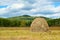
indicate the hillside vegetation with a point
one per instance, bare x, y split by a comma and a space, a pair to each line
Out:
25, 21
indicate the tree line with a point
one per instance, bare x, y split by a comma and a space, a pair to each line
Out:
25, 23
14, 23
54, 22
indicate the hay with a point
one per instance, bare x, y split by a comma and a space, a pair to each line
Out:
39, 24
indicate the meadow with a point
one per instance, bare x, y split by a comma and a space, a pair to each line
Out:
23, 33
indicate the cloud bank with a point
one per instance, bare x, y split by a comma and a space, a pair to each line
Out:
47, 8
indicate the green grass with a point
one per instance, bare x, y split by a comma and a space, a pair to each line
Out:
7, 34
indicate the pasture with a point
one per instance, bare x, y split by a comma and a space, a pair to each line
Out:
16, 33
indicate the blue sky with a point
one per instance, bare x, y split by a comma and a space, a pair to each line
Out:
56, 4
47, 8
3, 6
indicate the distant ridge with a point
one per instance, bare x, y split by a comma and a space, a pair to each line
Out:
26, 17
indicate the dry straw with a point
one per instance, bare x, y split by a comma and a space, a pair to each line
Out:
39, 24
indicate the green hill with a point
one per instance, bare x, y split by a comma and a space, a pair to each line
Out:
26, 17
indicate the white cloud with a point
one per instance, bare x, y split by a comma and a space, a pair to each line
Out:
56, 15
9, 2
17, 6
57, 9
3, 11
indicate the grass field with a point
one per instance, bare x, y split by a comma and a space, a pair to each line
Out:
25, 34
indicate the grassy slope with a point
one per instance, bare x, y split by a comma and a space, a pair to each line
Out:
26, 18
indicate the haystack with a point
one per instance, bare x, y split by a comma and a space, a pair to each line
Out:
39, 24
